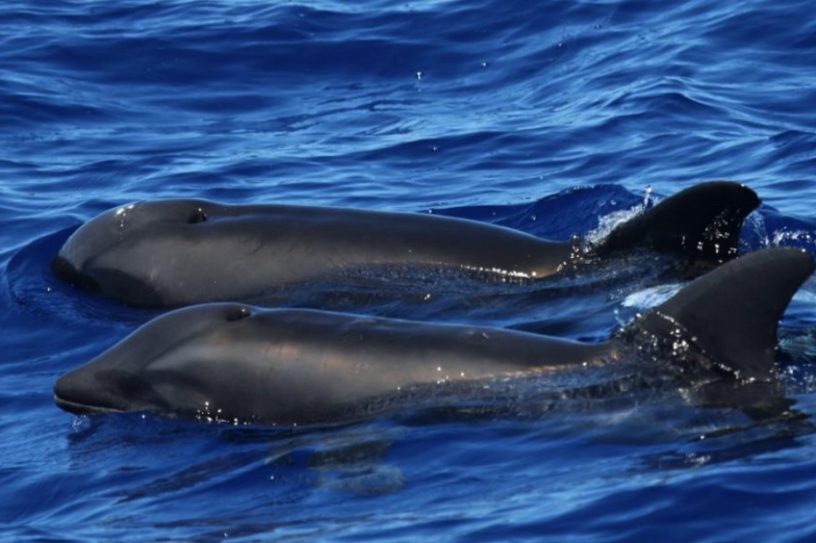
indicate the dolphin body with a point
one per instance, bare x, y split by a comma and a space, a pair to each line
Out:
179, 252
239, 362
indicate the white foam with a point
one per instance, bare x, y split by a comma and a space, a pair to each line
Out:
651, 297
609, 222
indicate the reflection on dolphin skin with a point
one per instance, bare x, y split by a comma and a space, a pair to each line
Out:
181, 252
235, 362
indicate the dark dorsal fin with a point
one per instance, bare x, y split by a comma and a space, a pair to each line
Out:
731, 313
702, 221
719, 332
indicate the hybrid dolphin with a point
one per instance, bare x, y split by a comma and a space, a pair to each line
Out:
307, 366
179, 252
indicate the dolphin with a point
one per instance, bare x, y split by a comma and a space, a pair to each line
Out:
237, 362
179, 252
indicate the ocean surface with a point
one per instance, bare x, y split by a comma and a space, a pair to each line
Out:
556, 118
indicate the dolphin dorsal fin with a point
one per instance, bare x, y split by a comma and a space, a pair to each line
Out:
702, 221
731, 314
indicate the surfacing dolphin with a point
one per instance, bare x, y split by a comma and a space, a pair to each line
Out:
240, 363
180, 252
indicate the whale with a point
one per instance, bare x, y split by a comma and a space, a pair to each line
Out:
172, 253
229, 361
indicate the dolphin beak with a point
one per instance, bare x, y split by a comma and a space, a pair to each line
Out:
64, 269
79, 392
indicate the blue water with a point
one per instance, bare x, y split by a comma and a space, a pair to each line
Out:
547, 117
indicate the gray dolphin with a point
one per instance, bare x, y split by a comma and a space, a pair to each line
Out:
239, 362
180, 252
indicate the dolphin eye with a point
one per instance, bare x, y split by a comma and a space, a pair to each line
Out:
237, 313
197, 216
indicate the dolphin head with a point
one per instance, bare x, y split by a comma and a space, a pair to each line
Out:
173, 365
110, 253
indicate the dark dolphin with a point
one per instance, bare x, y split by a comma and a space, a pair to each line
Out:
180, 252
238, 362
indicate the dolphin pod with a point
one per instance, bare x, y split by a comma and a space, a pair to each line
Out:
179, 252
307, 366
